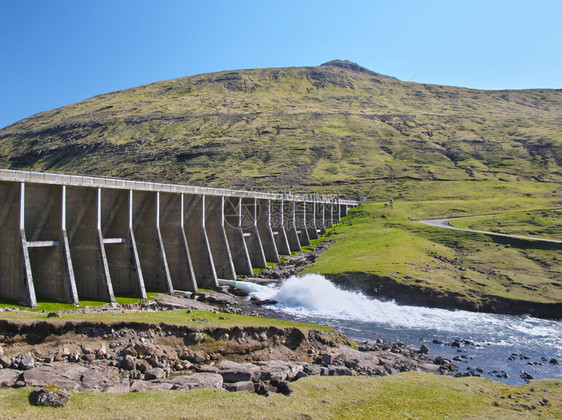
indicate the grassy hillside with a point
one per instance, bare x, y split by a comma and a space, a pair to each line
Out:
329, 127
385, 250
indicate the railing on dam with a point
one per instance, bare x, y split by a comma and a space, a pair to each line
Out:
103, 182
69, 237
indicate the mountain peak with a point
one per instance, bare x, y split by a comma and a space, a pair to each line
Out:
350, 65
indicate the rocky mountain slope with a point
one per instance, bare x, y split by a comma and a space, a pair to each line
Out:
302, 128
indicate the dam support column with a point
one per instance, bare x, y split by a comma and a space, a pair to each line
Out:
196, 235
218, 241
301, 222
248, 222
235, 235
44, 239
264, 229
320, 217
85, 241
119, 243
290, 226
311, 223
278, 227
16, 280
175, 244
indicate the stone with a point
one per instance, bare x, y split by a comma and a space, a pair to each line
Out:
5, 361
155, 373
9, 377
141, 386
424, 349
100, 379
142, 365
1, 351
143, 349
326, 358
237, 372
64, 375
52, 396
239, 386
101, 352
128, 362
27, 362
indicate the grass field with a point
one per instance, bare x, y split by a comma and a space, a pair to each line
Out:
389, 241
541, 224
404, 395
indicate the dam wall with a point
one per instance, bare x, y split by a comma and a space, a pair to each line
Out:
67, 237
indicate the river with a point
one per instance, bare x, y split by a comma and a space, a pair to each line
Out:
489, 344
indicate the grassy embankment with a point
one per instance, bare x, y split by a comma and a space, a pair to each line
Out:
539, 224
405, 395
194, 318
378, 241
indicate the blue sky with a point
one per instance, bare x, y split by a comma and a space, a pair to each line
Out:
57, 52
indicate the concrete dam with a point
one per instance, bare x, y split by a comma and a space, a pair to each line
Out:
68, 237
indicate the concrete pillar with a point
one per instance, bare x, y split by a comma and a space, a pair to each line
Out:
301, 222
290, 226
16, 280
264, 227
150, 245
235, 235
85, 241
248, 222
196, 235
174, 239
218, 241
321, 217
120, 246
278, 227
311, 221
44, 252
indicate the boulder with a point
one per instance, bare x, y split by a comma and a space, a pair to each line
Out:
238, 372
239, 386
64, 375
1, 351
100, 379
155, 373
128, 362
5, 361
9, 377
26, 362
51, 395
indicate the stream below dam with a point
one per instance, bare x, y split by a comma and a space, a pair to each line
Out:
501, 347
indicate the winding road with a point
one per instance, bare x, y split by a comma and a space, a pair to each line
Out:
444, 223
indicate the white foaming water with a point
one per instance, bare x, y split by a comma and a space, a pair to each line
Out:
314, 296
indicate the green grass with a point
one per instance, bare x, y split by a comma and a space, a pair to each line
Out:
193, 318
53, 305
389, 242
543, 224
405, 395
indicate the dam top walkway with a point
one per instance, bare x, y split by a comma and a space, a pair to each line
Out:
114, 183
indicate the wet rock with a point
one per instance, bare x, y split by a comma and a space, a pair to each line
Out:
526, 376
553, 361
261, 302
424, 349
52, 396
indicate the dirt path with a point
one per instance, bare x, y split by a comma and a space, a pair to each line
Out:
444, 223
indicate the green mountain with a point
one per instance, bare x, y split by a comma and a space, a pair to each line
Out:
305, 128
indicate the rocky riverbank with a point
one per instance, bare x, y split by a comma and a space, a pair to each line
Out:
134, 356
